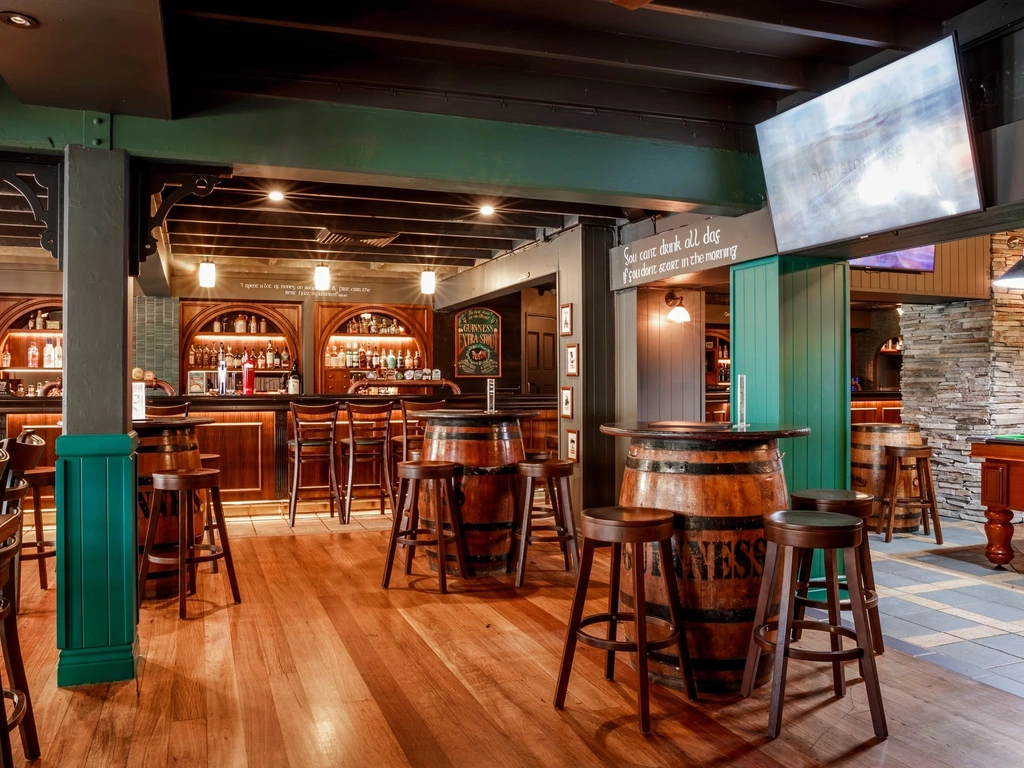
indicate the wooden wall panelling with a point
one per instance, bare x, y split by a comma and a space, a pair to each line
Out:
626, 371
245, 442
962, 271
670, 358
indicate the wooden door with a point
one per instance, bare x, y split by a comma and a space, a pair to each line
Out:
541, 355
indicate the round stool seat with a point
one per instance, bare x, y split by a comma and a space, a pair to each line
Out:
853, 503
185, 479
40, 477
533, 456
811, 529
547, 468
627, 524
428, 470
909, 451
209, 460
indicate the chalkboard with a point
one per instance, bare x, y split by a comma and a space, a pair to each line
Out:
478, 343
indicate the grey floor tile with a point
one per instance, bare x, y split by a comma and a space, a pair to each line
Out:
978, 655
954, 598
997, 611
1010, 671
1012, 644
938, 621
953, 564
994, 594
909, 571
901, 628
893, 580
901, 546
961, 537
954, 664
1015, 582
895, 644
895, 606
1007, 684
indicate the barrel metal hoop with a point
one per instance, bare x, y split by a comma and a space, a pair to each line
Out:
167, 448
714, 446
699, 615
884, 428
718, 523
510, 469
702, 664
702, 468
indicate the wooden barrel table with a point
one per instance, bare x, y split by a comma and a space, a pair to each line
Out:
166, 442
720, 481
867, 469
488, 445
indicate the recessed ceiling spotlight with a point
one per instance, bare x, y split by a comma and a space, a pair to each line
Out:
19, 20
486, 210
276, 195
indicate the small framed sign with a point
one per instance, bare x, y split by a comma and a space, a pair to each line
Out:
565, 403
5, 388
572, 360
478, 343
565, 320
572, 444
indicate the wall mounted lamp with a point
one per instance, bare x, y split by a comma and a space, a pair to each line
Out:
677, 313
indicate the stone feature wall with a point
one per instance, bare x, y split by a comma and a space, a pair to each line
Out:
963, 380
155, 337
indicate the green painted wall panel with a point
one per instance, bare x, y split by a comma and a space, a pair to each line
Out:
754, 331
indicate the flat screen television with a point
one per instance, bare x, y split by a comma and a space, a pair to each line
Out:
920, 259
887, 151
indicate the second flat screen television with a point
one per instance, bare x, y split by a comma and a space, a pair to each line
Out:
886, 151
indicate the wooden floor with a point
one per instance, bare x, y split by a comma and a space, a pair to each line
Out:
320, 667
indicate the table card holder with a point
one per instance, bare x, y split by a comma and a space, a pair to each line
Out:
491, 389
138, 400
741, 400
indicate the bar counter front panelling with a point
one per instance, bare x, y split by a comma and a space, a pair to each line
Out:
250, 435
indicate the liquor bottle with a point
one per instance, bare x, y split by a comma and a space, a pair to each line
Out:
217, 327
417, 363
277, 357
5, 358
400, 361
352, 359
285, 357
253, 326
229, 359
328, 358
238, 360
391, 359
33, 355
240, 324
206, 357
48, 353
248, 373
58, 354
335, 358
294, 380
261, 361
363, 363
222, 371
373, 325
263, 325
191, 355
375, 363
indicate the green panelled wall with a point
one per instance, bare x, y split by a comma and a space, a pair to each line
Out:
97, 550
790, 333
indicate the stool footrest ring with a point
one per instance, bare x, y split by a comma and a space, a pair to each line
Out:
870, 597
624, 645
803, 654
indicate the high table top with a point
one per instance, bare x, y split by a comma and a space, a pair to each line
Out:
167, 422
702, 430
478, 415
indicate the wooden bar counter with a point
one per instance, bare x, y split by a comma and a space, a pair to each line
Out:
720, 480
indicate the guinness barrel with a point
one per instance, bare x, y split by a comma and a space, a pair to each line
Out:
720, 490
867, 469
488, 446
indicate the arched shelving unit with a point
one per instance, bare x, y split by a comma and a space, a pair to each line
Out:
16, 339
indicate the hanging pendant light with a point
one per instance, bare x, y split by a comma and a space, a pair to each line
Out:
322, 277
678, 313
207, 274
428, 282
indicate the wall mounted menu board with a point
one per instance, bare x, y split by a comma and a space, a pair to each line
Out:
478, 343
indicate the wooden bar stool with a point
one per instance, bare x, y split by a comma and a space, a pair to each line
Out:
529, 529
21, 716
636, 526
413, 426
789, 534
209, 461
368, 441
315, 430
39, 550
924, 500
534, 456
855, 504
185, 555
405, 527
24, 453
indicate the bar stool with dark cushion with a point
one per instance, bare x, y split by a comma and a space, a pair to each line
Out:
413, 427
538, 455
531, 527
40, 550
855, 504
635, 526
186, 554
22, 716
25, 453
789, 535
924, 500
434, 480
369, 433
315, 430
165, 411
209, 461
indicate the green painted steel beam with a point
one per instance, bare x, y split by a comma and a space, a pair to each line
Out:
409, 148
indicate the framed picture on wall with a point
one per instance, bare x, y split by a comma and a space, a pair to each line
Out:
572, 444
572, 360
565, 320
565, 403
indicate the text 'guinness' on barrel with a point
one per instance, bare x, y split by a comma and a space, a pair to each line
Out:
867, 469
720, 491
488, 450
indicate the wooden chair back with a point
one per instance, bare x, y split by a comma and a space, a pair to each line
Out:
369, 425
23, 454
315, 423
413, 425
166, 410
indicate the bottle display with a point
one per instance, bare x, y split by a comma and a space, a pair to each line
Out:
5, 358
33, 355
295, 380
363, 356
48, 353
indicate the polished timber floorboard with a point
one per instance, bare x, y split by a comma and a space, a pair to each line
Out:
320, 667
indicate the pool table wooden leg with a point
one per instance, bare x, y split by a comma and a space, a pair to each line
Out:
999, 532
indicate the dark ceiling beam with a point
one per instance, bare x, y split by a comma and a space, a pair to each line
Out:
297, 236
809, 18
442, 261
22, 231
203, 221
497, 35
311, 246
239, 201
303, 190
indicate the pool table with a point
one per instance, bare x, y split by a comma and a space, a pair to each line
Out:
1002, 491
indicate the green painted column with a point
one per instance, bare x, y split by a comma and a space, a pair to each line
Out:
790, 331
96, 474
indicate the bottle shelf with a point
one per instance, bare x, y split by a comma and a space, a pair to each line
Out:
58, 371
258, 371
34, 332
376, 338
246, 335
